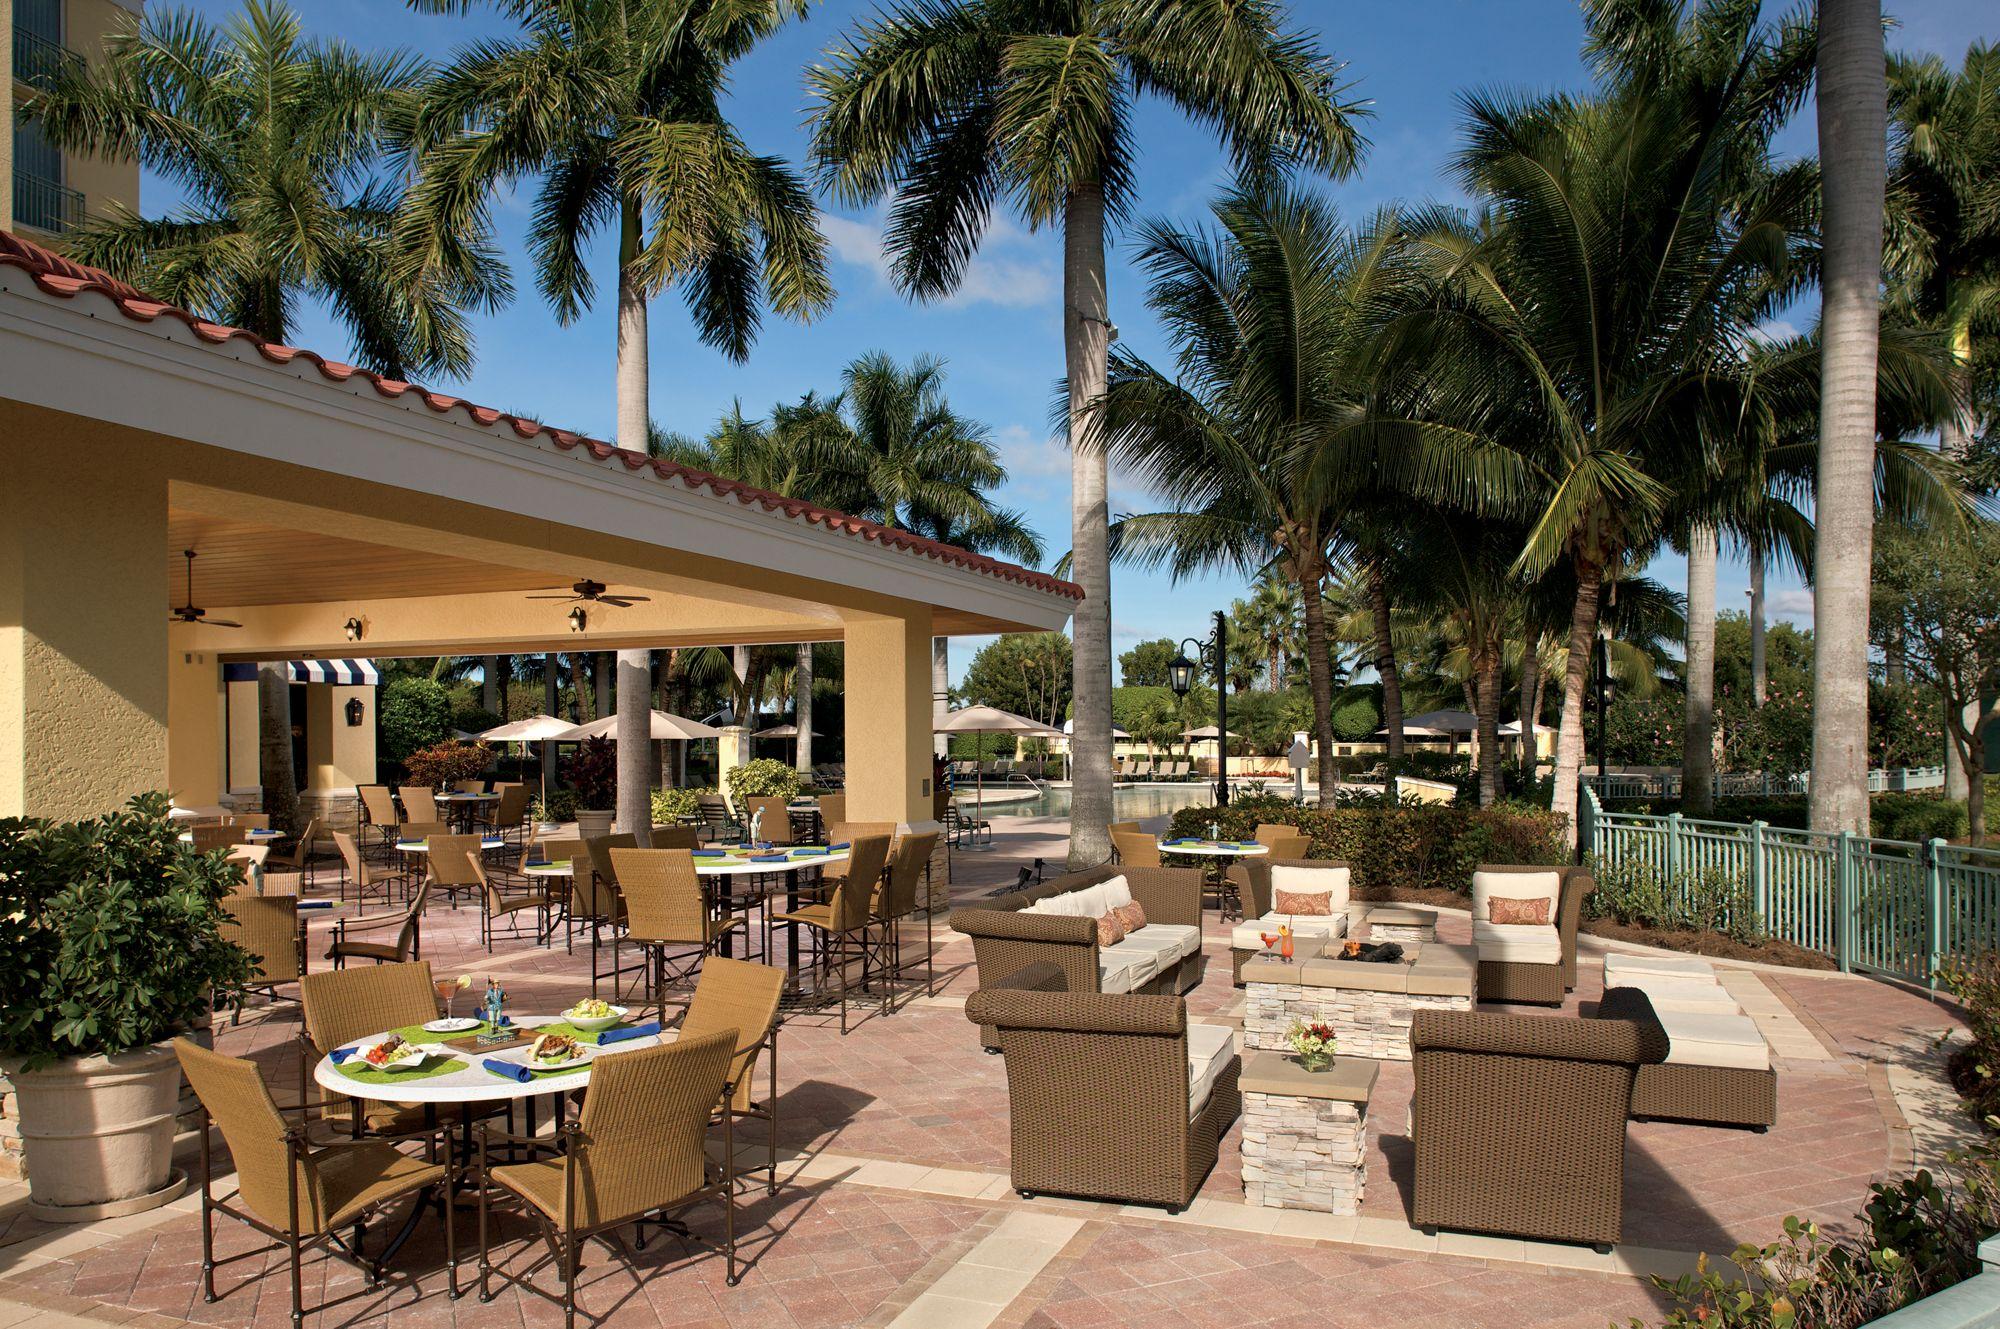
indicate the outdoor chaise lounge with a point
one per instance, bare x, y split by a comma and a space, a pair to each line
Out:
1111, 1096
1257, 881
1718, 1067
1530, 962
1519, 1120
1057, 923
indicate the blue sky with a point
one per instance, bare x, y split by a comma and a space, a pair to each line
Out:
1000, 334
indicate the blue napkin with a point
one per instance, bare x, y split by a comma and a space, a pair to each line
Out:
512, 1070
808, 852
1182, 840
646, 1030
339, 1055
709, 853
768, 858
833, 848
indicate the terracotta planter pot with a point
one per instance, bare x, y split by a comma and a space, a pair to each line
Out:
590, 825
99, 1133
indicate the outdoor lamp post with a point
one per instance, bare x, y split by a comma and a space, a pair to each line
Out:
1180, 677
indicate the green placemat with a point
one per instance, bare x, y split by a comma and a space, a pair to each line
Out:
354, 1068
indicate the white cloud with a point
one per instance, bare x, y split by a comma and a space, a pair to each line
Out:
1012, 268
1776, 330
1795, 603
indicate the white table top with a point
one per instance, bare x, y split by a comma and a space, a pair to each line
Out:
562, 869
424, 846
1214, 850
254, 835
714, 867
472, 1083
466, 798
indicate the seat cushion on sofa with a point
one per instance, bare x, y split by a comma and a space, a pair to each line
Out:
1516, 886
1697, 1038
1516, 943
1679, 994
1619, 965
1331, 881
1171, 942
1125, 971
1210, 1046
1248, 936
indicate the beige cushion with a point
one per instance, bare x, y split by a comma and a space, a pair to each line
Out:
1514, 943
1619, 966
1698, 1038
1516, 886
1169, 941
1329, 880
1125, 971
1680, 994
1210, 1047
1116, 890
1090, 902
1247, 938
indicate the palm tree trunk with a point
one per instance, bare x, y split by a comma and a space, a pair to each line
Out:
1531, 696
274, 745
635, 668
940, 692
1576, 682
1276, 667
802, 710
1311, 577
489, 684
1698, 748
579, 691
1760, 682
1486, 709
600, 684
506, 684
1086, 347
1385, 660
550, 664
1853, 136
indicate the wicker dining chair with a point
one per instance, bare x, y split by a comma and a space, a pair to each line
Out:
379, 812
303, 1194
716, 819
419, 803
367, 877
341, 1005
896, 900
637, 1153
300, 857
666, 915
208, 839
452, 875
1283, 841
675, 837
840, 926
508, 816
393, 936
776, 814
267, 926
468, 786
1136, 849
741, 996
250, 821
495, 903
832, 812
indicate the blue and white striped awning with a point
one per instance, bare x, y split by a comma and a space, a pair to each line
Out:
352, 673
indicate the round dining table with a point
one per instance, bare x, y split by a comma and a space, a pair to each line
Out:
1215, 848
255, 835
469, 1081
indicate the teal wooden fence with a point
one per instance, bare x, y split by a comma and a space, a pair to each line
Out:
1889, 907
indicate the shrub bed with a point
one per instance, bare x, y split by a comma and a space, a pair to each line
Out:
1407, 848
1975, 1068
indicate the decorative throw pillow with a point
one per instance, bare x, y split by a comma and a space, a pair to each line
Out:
1304, 903
1502, 909
1132, 914
1110, 930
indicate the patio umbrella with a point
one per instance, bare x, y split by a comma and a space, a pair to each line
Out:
990, 720
664, 726
1069, 729
534, 729
1207, 731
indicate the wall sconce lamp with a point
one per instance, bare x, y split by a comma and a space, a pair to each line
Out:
353, 629
356, 712
577, 619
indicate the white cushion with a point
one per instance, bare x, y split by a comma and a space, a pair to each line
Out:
1295, 880
1210, 1046
1697, 1038
1126, 971
1516, 943
1090, 902
1248, 936
1516, 886
1169, 941
1680, 994
1117, 891
1620, 966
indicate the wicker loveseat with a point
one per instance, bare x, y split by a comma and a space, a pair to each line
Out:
1528, 964
1111, 1096
1519, 1120
1013, 931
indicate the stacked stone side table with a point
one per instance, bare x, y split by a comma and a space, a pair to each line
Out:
1305, 1133
1402, 923
1370, 1006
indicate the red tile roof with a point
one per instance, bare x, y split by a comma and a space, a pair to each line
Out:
61, 277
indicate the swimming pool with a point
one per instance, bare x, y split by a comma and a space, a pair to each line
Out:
1134, 802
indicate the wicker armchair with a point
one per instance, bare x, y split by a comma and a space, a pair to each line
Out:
267, 926
366, 876
1251, 879
379, 814
1104, 1099
495, 904
302, 1194
840, 926
344, 1005
1519, 1120
1283, 841
393, 936
1538, 979
419, 803
667, 916
741, 997
637, 1152
1136, 849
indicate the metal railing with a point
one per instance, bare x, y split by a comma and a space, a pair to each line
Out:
44, 204
37, 60
1892, 907
1667, 784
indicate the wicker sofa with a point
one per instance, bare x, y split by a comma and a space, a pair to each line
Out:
1536, 966
1013, 931
1111, 1096
1253, 879
1519, 1120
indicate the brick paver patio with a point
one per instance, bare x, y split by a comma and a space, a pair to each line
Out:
896, 1207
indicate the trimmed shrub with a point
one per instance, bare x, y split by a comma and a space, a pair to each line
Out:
670, 805
415, 713
1918, 817
765, 777
1975, 1067
442, 763
1707, 901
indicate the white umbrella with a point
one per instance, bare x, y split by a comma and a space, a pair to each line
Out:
782, 731
534, 729
1208, 731
990, 720
664, 726
1069, 728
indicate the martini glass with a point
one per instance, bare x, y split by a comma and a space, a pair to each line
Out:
446, 988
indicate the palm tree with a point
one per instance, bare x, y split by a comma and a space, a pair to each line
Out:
1270, 618
950, 106
275, 143
618, 109
1271, 438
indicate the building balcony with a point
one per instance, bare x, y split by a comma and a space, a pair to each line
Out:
37, 60
44, 204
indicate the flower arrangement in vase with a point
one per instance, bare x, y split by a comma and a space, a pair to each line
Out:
1313, 1044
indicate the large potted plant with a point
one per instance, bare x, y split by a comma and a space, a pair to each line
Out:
110, 928
593, 773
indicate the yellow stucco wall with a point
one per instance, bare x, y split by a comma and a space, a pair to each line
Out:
339, 756
888, 680
195, 728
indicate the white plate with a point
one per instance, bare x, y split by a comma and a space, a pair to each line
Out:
458, 1024
520, 1056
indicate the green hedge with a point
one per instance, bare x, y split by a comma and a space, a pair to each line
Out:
1399, 848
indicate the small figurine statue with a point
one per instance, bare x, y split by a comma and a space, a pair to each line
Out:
757, 827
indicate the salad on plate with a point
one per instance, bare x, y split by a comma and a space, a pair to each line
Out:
394, 1053
591, 1014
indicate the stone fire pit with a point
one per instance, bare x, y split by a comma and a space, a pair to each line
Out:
1370, 1005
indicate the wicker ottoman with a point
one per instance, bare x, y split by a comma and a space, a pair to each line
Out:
1305, 1133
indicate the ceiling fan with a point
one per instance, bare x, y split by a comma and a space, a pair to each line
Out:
592, 592
187, 613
